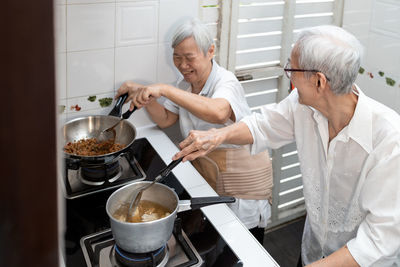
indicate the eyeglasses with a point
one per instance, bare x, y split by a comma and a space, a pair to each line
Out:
288, 70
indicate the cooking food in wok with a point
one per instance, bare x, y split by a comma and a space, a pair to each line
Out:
88, 128
91, 147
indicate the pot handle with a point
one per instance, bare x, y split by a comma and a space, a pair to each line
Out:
117, 110
198, 202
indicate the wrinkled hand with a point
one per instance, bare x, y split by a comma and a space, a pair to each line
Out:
130, 88
146, 94
198, 143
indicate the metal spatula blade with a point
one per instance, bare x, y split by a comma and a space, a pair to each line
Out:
136, 199
107, 136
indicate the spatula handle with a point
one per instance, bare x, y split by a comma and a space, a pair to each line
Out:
166, 171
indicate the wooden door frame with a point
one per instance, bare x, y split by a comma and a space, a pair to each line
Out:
28, 189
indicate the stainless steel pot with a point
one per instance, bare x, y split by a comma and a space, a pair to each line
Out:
148, 236
91, 126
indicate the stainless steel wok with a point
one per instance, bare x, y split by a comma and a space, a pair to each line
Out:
91, 126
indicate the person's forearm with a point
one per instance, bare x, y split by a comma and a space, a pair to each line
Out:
159, 114
200, 143
341, 257
238, 134
207, 109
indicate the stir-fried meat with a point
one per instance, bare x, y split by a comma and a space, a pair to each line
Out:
91, 147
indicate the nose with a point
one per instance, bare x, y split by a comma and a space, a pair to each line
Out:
182, 64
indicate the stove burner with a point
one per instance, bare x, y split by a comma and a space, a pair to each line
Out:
98, 174
155, 258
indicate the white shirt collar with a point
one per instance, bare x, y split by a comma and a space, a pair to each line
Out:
359, 128
360, 125
206, 88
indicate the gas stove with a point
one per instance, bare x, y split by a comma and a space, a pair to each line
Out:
89, 240
100, 250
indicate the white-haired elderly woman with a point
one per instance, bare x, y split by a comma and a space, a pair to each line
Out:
348, 146
208, 96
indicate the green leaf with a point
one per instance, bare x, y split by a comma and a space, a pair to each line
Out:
361, 70
61, 108
390, 81
381, 73
105, 102
92, 98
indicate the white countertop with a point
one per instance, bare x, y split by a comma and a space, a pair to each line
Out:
242, 242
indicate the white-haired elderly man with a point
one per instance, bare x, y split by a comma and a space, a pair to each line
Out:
348, 146
208, 96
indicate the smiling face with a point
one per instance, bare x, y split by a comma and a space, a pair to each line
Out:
191, 61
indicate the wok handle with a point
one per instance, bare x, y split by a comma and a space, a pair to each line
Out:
72, 164
117, 110
199, 202
128, 113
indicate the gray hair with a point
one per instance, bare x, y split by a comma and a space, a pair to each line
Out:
332, 51
196, 29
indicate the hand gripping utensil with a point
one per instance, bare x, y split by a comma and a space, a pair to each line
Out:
138, 193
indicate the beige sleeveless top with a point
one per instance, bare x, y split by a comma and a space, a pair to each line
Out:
235, 172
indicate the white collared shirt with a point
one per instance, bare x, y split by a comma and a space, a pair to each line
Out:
223, 84
351, 185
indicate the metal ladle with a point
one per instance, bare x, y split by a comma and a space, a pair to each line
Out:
139, 192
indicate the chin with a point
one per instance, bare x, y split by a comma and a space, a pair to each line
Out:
189, 79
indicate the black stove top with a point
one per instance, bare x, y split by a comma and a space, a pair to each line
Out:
86, 214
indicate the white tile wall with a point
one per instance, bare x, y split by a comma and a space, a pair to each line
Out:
61, 111
90, 72
384, 53
90, 26
376, 24
60, 28
61, 71
135, 63
173, 13
89, 1
137, 23
59, 2
386, 17
102, 43
87, 107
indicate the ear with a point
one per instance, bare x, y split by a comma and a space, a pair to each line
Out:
211, 51
321, 81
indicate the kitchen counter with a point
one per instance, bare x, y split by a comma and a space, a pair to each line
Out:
241, 241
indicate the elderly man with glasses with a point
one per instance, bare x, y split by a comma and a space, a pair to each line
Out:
348, 146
